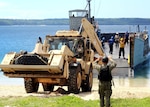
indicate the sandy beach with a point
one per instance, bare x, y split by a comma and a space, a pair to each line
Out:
119, 91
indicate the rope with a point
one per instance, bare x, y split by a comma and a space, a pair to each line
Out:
99, 5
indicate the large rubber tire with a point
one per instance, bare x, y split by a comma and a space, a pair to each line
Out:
74, 80
48, 87
87, 84
31, 85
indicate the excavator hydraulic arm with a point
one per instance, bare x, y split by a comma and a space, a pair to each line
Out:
91, 34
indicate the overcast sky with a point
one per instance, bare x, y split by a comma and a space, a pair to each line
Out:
44, 9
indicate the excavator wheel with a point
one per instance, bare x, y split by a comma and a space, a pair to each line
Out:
47, 87
31, 85
87, 84
74, 80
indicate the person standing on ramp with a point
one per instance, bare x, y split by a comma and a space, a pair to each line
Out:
104, 75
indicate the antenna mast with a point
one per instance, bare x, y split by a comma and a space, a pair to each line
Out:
89, 4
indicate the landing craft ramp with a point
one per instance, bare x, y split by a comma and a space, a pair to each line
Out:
123, 69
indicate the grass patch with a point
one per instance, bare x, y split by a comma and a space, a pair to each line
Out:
68, 101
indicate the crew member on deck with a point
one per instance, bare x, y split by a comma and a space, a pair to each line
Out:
121, 47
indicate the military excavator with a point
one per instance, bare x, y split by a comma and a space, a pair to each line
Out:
63, 59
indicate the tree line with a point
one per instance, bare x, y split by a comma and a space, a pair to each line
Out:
65, 21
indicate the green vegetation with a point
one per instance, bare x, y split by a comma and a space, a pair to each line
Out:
124, 21
65, 21
68, 101
34, 22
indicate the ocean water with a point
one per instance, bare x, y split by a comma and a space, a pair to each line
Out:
24, 37
16, 38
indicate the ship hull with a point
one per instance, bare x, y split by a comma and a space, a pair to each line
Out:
139, 50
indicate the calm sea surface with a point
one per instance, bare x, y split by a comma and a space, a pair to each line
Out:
16, 38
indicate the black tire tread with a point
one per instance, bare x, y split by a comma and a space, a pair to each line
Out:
31, 85
72, 88
48, 87
86, 84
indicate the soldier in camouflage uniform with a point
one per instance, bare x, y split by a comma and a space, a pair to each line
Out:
104, 85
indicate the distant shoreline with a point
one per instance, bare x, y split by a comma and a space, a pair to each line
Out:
65, 21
